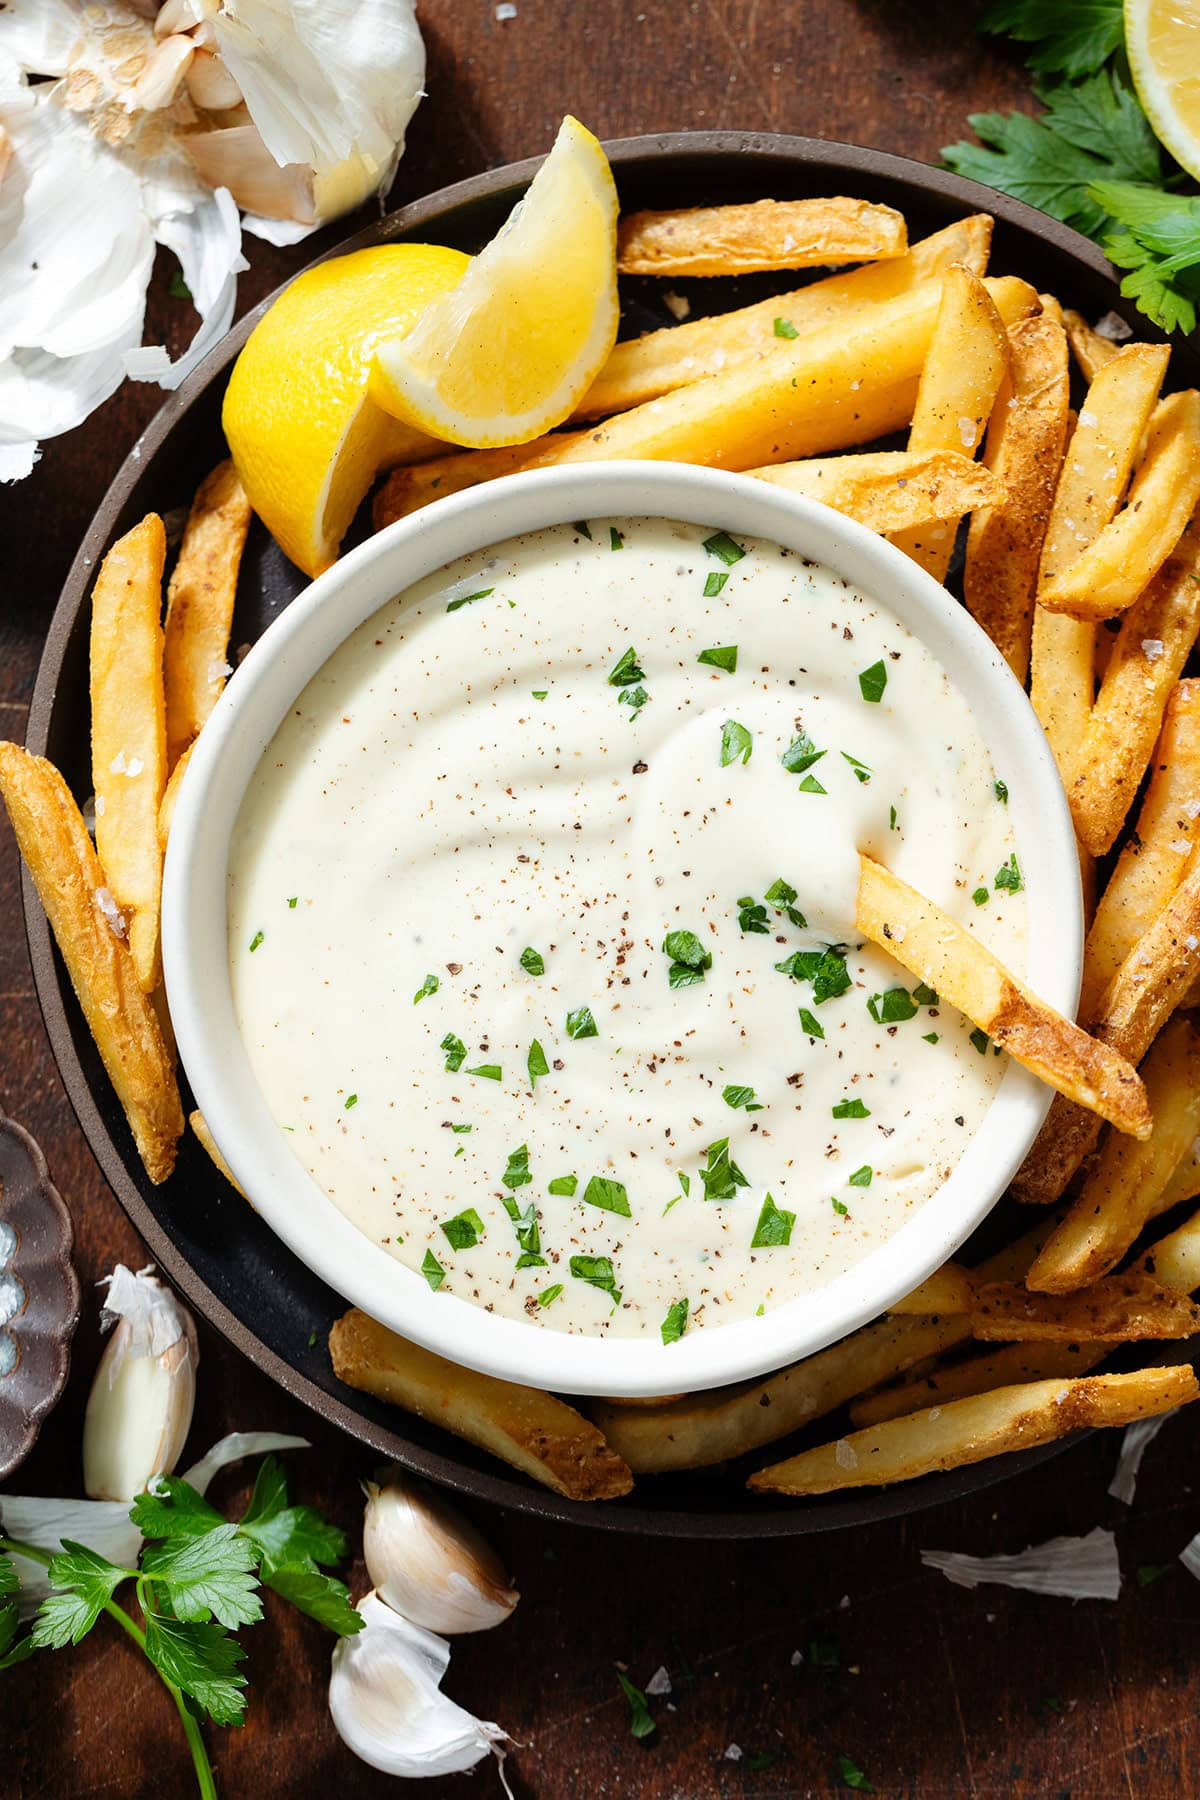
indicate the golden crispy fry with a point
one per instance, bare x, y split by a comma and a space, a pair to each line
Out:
532, 1431
950, 1289
129, 744
1184, 1183
199, 1125
765, 234
1051, 308
889, 490
1175, 1259
1155, 640
1119, 1193
1107, 577
1091, 351
54, 842
1063, 685
1026, 437
408, 489
1152, 981
1152, 863
166, 811
970, 1431
712, 1427
645, 367
200, 599
1121, 1309
978, 1375
931, 945
967, 360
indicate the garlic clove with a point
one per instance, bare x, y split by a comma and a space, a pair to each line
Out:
236, 158
161, 76
139, 1411
387, 1704
428, 1563
182, 15
210, 84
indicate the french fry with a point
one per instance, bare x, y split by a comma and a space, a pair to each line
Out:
1121, 1309
765, 234
931, 945
950, 1289
530, 1430
166, 812
1091, 351
129, 743
208, 1142
971, 1431
978, 1375
967, 360
1175, 1259
200, 598
1063, 684
1026, 437
712, 1427
408, 489
1051, 308
1152, 981
58, 852
1107, 577
1184, 1183
890, 490
1118, 1195
646, 367
1152, 646
1151, 865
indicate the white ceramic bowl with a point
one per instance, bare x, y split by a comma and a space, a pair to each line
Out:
196, 952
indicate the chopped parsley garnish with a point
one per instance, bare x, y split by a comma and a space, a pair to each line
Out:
516, 1173
892, 1007
811, 1024
981, 1041
294, 901
536, 1063
1009, 876
615, 540
774, 1228
689, 958
981, 896
488, 1072
563, 1184
930, 1037
861, 771
177, 287
839, 1207
462, 1128
862, 1177
714, 582
675, 1323
826, 969
256, 940
640, 1722
810, 785
456, 1052
468, 599
741, 1096
608, 1195
597, 1271
464, 1230
685, 1182
549, 1295
532, 962
872, 682
1001, 788
735, 741
528, 1236
924, 995
635, 698
432, 1270
430, 985
781, 893
721, 1176
583, 528
851, 1109
785, 329
581, 1024
722, 545
892, 818
801, 754
351, 1100
751, 915
853, 1776
1149, 1573
627, 670
721, 656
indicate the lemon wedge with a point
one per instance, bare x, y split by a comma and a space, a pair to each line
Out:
1163, 41
511, 351
306, 439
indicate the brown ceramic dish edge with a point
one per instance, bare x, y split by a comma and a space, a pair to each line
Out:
42, 1331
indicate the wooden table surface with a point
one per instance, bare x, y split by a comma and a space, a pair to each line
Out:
935, 1690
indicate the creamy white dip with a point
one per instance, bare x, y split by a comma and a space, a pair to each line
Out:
458, 864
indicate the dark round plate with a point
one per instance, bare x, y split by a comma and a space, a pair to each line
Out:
210, 1243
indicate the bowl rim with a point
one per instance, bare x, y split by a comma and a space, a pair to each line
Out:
195, 946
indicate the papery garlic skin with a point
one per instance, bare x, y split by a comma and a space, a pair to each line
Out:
139, 1411
387, 1705
429, 1563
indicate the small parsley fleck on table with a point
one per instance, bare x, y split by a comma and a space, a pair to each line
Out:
430, 985
469, 599
714, 582
721, 545
177, 287
464, 1230
1149, 1573
784, 328
563, 1184
608, 1195
721, 656
872, 683
853, 1776
736, 742
581, 1024
432, 1270
456, 1052
641, 1724
850, 1109
774, 1228
741, 1096
675, 1323
532, 962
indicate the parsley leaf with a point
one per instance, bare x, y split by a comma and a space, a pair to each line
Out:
284, 1533
735, 741
581, 1024
892, 1007
323, 1597
1001, 790
608, 1195
689, 958
597, 1271
784, 328
464, 1230
861, 1177
675, 1323
826, 969
208, 1577
626, 671
1160, 247
811, 1023
872, 682
751, 915
549, 1295
850, 1109
533, 962
801, 754
853, 1776
536, 1063
173, 1510
774, 1228
1009, 877
720, 544
430, 985
487, 1072
563, 1184
1074, 37
469, 599
714, 582
90, 1581
741, 1096
516, 1173
981, 1041
201, 1660
432, 1270
456, 1051
640, 1722
721, 656
721, 1176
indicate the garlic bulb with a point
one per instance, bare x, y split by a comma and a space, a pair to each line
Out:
139, 1411
428, 1563
387, 1705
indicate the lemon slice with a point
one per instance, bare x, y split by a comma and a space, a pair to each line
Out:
306, 439
513, 349
1163, 41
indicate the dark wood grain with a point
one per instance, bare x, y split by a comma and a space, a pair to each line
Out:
937, 1691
